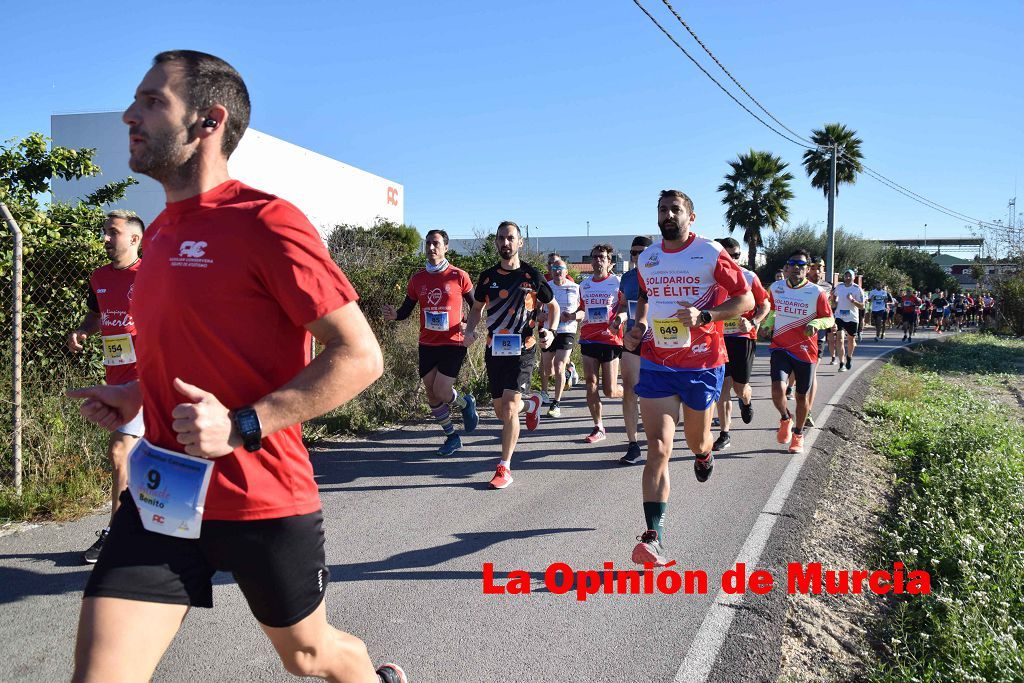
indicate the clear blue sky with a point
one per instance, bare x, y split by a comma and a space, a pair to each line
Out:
555, 113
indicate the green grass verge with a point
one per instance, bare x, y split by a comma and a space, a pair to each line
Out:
958, 513
64, 464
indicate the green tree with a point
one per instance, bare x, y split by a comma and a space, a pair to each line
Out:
756, 192
817, 161
62, 241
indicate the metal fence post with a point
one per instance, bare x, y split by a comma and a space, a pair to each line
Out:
16, 344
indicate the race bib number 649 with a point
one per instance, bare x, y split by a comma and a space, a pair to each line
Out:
670, 333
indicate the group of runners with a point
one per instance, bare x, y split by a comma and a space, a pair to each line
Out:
209, 374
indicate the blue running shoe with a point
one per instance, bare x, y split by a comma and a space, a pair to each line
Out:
450, 445
470, 418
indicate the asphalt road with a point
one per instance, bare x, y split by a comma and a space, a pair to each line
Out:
408, 535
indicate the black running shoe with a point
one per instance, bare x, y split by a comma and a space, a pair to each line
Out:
93, 553
747, 412
847, 363
721, 443
702, 467
391, 673
715, 422
633, 454
789, 391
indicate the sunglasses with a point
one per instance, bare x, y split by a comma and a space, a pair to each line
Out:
557, 269
798, 264
736, 256
636, 253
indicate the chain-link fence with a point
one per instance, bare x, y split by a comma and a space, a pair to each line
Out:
60, 453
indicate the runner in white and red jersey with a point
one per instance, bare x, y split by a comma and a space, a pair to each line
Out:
801, 311
109, 302
600, 342
740, 345
688, 285
440, 289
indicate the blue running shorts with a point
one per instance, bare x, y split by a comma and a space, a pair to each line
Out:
698, 389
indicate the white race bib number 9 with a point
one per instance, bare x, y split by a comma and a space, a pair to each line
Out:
670, 333
506, 345
436, 320
118, 349
169, 489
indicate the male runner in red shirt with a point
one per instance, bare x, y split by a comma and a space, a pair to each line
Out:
110, 294
440, 289
234, 283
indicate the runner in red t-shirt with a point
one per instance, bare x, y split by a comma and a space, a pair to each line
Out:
234, 283
688, 285
440, 289
108, 303
910, 302
741, 347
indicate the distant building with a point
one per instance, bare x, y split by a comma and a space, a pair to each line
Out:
329, 192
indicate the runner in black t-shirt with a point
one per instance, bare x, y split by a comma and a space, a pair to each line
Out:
511, 292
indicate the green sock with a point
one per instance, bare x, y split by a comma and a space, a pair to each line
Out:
654, 513
459, 401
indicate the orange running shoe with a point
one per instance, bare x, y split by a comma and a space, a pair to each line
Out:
785, 430
797, 444
502, 477
532, 412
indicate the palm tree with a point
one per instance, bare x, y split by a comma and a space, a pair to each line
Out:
816, 161
756, 193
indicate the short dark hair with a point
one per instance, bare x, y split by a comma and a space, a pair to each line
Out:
509, 224
129, 217
209, 81
437, 231
687, 202
801, 252
729, 243
642, 241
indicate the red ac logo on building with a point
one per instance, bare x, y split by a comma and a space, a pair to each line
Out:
393, 196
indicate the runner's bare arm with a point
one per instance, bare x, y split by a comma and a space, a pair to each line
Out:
631, 340
350, 361
90, 325
109, 405
474, 320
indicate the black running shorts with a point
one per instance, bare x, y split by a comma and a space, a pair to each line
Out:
278, 563
741, 352
513, 373
877, 318
782, 364
848, 326
447, 359
563, 342
603, 353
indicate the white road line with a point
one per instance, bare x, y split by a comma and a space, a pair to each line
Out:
707, 643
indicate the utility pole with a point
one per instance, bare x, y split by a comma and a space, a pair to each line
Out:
588, 228
830, 247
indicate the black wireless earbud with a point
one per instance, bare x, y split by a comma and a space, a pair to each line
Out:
209, 123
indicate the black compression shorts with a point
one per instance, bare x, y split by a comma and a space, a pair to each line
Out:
447, 359
278, 563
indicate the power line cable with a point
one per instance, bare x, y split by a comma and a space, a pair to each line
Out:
713, 80
738, 84
800, 141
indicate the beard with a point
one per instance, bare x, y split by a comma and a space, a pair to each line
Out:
506, 252
671, 231
164, 157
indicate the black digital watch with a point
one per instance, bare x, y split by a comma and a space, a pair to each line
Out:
705, 317
247, 422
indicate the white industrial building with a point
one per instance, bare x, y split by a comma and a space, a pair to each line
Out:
573, 248
326, 190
